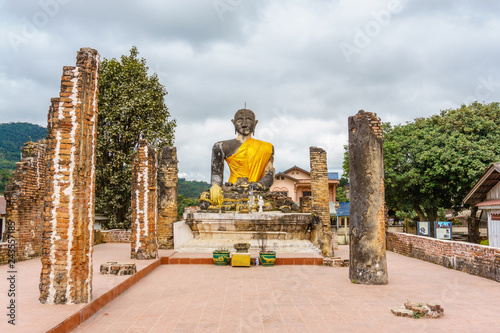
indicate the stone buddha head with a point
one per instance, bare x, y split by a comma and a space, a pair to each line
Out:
244, 122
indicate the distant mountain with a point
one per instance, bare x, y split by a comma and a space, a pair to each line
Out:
14, 135
12, 138
191, 188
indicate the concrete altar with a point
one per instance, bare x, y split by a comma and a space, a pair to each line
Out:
284, 232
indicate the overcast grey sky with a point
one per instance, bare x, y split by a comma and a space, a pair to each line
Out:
304, 67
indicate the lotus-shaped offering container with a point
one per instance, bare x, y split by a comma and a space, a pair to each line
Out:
242, 247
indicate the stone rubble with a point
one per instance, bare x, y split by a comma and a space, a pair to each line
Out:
114, 268
335, 262
419, 310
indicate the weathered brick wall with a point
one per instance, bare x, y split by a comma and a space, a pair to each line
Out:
116, 236
368, 264
167, 196
190, 209
66, 276
320, 198
305, 204
144, 238
467, 257
4, 253
24, 196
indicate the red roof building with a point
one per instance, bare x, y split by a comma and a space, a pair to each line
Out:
296, 183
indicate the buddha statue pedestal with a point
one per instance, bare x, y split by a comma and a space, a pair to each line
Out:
281, 232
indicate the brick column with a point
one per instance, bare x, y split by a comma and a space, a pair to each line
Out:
66, 276
24, 196
144, 239
305, 204
321, 233
368, 263
167, 198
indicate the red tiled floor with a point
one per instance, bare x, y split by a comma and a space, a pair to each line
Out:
307, 298
283, 298
35, 317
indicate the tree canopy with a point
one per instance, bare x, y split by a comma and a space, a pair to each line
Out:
433, 162
342, 188
131, 106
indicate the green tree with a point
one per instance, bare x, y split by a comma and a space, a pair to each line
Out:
342, 188
341, 194
432, 163
343, 181
183, 202
131, 105
345, 163
5, 176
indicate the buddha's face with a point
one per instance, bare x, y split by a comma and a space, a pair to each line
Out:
244, 122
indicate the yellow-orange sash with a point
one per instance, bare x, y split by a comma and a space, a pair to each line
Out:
250, 160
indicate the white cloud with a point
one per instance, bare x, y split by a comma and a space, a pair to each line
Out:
282, 58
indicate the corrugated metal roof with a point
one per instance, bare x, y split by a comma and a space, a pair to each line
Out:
489, 179
333, 175
344, 209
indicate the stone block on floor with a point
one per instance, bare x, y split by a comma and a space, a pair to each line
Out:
114, 268
419, 310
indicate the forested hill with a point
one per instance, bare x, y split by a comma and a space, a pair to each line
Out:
12, 138
14, 135
191, 189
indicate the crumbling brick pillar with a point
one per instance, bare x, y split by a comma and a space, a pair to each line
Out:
305, 204
144, 239
24, 196
368, 263
66, 276
321, 234
167, 198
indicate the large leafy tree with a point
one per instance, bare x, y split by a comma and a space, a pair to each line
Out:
131, 106
433, 162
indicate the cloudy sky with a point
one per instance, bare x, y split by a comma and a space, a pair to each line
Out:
303, 66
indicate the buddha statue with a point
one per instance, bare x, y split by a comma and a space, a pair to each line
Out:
250, 161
